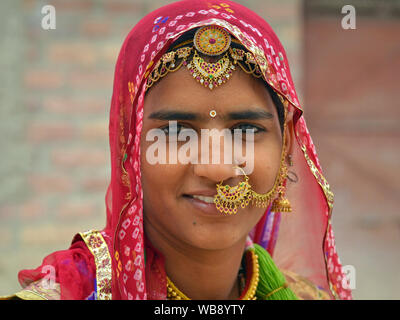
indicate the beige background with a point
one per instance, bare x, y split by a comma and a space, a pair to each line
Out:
56, 89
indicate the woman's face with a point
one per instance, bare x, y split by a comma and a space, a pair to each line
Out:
172, 209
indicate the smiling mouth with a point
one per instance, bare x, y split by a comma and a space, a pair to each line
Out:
204, 198
205, 204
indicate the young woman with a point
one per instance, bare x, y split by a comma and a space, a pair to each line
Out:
179, 224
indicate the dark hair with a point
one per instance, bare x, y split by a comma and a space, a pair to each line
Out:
277, 102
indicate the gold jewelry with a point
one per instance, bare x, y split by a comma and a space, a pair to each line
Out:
282, 204
210, 41
250, 294
211, 74
228, 199
173, 293
290, 159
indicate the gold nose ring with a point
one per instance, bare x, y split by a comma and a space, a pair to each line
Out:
228, 199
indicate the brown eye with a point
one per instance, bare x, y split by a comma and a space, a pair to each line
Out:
248, 126
171, 130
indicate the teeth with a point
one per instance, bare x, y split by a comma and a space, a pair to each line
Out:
205, 199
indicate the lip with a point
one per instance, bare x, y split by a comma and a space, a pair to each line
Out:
205, 208
205, 193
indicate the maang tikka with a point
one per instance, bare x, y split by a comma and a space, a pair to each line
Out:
211, 41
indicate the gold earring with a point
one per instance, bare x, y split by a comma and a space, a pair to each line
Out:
282, 204
290, 159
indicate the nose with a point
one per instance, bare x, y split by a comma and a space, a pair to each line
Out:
219, 145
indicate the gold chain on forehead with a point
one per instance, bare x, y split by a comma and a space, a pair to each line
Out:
209, 41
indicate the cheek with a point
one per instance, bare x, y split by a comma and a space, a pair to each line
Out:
157, 178
160, 183
266, 165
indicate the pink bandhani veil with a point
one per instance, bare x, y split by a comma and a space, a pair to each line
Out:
301, 241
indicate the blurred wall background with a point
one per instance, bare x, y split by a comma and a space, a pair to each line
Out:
351, 86
56, 88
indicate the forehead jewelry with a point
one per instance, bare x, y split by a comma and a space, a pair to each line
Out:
211, 41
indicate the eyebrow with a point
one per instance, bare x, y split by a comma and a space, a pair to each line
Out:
169, 115
250, 115
175, 115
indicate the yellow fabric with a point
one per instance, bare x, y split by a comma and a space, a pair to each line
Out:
36, 291
99, 249
303, 288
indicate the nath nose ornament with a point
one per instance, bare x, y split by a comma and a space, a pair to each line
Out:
228, 199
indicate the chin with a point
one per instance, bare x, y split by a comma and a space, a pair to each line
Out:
215, 238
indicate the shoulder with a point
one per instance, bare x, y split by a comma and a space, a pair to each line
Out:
87, 262
304, 288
